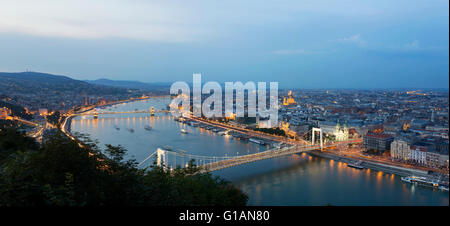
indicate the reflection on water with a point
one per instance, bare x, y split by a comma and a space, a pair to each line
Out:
165, 132
291, 180
318, 181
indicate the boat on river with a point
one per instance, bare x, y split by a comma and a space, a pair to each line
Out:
256, 141
224, 132
356, 165
426, 182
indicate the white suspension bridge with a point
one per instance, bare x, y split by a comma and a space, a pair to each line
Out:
171, 159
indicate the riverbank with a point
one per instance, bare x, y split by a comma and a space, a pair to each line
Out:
401, 171
65, 127
251, 133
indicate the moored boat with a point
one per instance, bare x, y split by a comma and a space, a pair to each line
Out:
356, 165
423, 181
256, 141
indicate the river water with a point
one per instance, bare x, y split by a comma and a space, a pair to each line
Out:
291, 180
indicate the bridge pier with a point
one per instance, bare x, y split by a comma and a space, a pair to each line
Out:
152, 111
314, 130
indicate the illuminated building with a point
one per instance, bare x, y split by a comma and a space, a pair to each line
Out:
406, 126
230, 116
4, 113
400, 149
285, 128
289, 100
43, 111
341, 134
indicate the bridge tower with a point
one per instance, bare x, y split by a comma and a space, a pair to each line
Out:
161, 157
314, 130
152, 111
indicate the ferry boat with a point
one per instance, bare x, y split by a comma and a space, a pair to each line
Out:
222, 133
256, 141
421, 181
183, 131
356, 165
148, 128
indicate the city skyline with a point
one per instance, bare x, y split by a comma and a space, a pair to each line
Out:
375, 45
250, 108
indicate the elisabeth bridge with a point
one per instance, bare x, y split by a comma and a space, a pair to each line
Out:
171, 159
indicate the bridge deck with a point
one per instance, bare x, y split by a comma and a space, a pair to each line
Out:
256, 157
273, 153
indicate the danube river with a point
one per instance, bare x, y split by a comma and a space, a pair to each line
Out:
290, 180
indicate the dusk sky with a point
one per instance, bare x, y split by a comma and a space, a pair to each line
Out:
302, 44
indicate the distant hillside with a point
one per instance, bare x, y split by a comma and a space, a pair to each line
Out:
37, 77
35, 82
130, 84
40, 90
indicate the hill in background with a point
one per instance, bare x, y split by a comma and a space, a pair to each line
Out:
36, 90
131, 84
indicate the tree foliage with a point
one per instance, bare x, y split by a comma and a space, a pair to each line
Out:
61, 172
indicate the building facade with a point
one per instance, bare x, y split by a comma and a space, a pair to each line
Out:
418, 155
379, 142
424, 154
433, 159
341, 133
4, 113
400, 149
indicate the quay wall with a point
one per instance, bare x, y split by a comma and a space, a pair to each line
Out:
401, 171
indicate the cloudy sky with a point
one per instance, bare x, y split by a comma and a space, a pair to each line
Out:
304, 44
